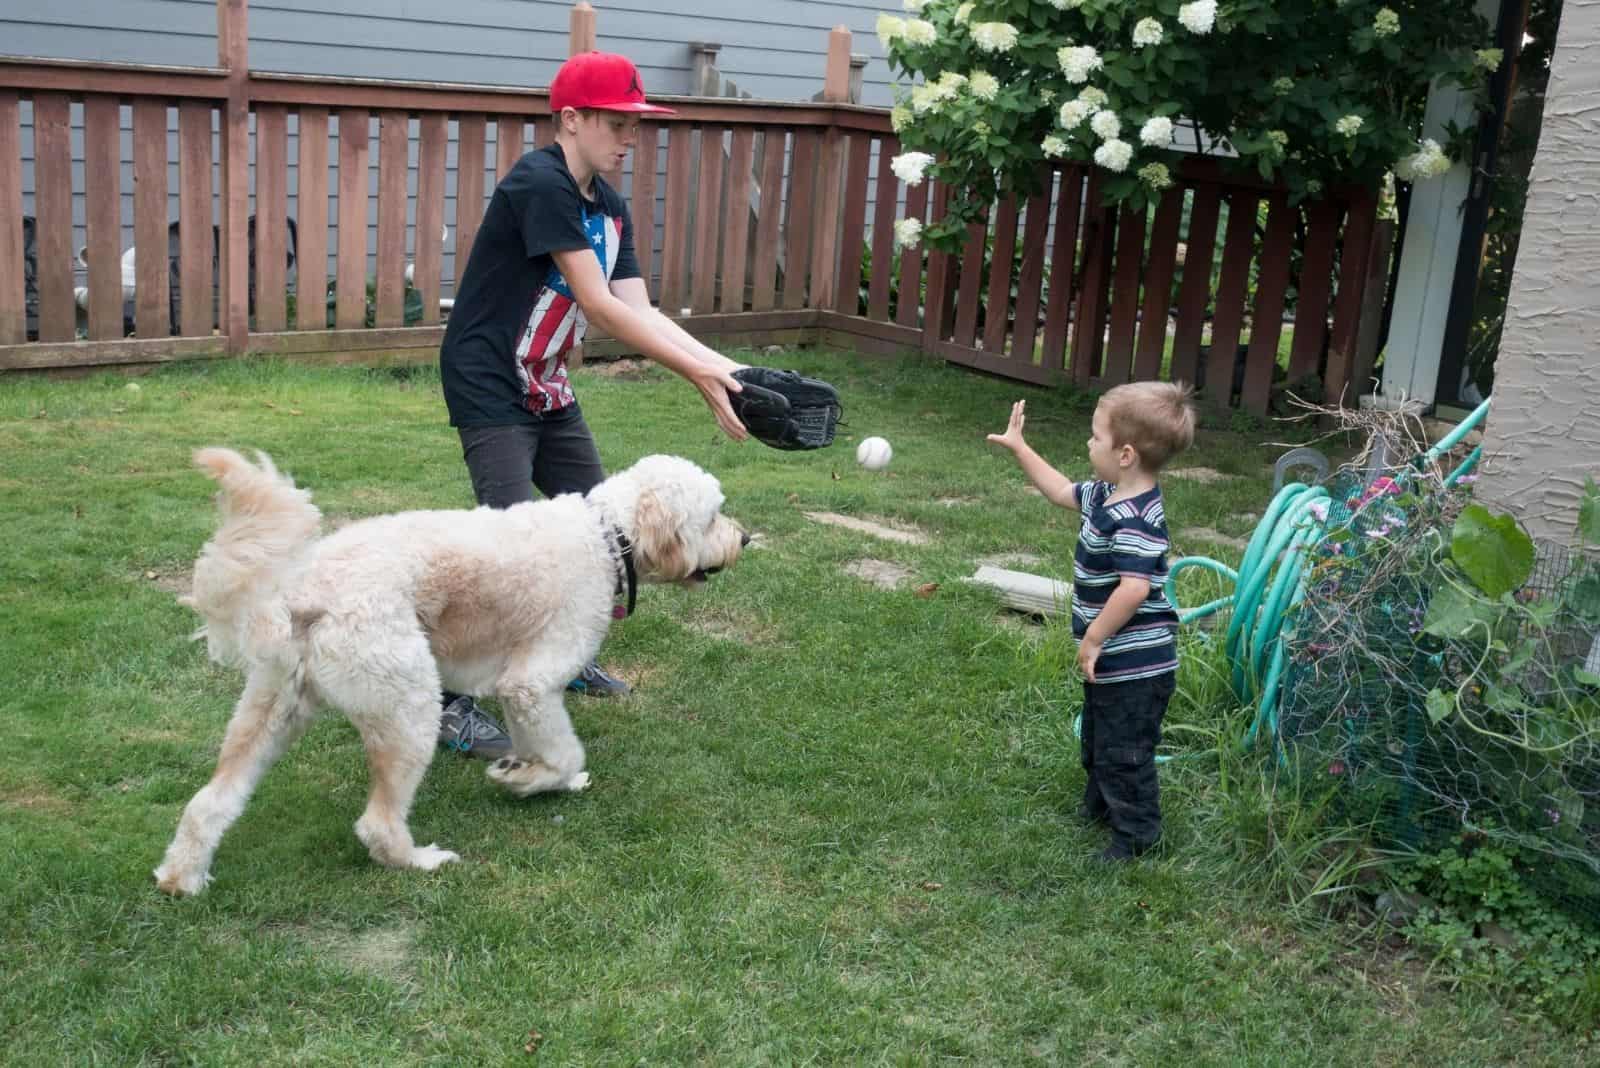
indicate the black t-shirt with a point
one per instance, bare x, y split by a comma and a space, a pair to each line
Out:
504, 357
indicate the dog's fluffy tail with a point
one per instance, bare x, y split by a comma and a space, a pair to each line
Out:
267, 524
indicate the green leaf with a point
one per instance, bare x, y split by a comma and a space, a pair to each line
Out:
1589, 512
1588, 678
1455, 613
1440, 706
1493, 551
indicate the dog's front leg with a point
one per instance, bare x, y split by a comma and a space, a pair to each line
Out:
549, 755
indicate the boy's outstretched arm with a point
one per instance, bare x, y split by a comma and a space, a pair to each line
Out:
632, 292
1056, 487
616, 318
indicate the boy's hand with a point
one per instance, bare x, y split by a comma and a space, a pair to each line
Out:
714, 386
1088, 654
1012, 438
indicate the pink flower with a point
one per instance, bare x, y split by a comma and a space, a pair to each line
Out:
1381, 486
1336, 768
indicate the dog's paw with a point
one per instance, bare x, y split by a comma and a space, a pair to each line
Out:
431, 857
578, 782
169, 880
524, 777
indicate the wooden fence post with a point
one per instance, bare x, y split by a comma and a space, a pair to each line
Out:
581, 36
825, 240
13, 295
233, 54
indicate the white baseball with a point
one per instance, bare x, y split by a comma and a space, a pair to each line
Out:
874, 454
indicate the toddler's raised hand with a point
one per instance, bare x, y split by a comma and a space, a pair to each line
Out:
1013, 435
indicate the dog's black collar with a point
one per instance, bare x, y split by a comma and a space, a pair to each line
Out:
629, 579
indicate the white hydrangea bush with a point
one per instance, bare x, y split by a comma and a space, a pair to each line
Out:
1318, 94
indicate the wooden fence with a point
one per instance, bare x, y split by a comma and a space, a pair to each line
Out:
766, 210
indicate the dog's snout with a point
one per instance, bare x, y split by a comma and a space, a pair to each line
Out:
744, 538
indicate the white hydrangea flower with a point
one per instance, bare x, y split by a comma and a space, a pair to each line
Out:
1066, 5
1156, 175
909, 167
921, 32
1385, 23
915, 6
963, 13
982, 129
1106, 124
1156, 132
1114, 155
924, 98
890, 29
950, 81
1073, 112
1279, 139
1078, 63
907, 233
994, 36
1198, 17
1349, 126
1489, 58
1095, 98
1047, 95
1147, 32
985, 86
899, 117
1429, 161
1053, 147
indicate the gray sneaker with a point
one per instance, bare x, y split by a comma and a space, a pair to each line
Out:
466, 728
595, 682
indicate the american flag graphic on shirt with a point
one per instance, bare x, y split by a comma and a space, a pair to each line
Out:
556, 323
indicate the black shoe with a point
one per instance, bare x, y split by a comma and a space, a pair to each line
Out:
466, 728
1121, 852
595, 682
1092, 815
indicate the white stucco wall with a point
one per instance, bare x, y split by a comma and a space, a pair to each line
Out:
1543, 434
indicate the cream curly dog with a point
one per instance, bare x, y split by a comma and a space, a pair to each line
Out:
379, 617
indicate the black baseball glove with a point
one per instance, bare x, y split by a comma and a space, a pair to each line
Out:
786, 410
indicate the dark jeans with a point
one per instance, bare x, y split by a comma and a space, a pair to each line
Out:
556, 453
1121, 729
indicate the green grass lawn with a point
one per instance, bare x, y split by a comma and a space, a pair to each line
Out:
833, 825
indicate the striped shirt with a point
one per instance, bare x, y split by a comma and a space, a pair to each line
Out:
1125, 539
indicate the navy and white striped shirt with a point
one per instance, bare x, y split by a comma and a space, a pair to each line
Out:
1128, 538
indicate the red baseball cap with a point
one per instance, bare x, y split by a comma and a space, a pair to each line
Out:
601, 80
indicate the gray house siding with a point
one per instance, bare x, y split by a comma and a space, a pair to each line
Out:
772, 50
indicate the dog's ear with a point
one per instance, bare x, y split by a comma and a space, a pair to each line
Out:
657, 538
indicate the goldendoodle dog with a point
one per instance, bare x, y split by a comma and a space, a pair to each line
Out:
379, 617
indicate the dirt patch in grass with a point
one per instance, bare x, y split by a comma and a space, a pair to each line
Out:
33, 799
878, 528
881, 573
1199, 474
728, 625
381, 951
177, 583
627, 367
